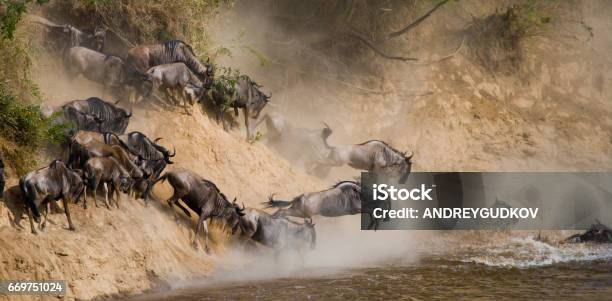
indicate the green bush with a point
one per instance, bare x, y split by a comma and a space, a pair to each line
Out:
26, 130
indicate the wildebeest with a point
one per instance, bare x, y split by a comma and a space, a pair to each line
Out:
173, 79
110, 117
344, 198
142, 58
76, 37
374, 155
82, 121
204, 198
305, 147
47, 184
95, 66
109, 172
154, 158
1, 178
598, 233
245, 95
81, 153
278, 233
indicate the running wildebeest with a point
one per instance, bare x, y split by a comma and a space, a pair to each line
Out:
245, 95
204, 198
155, 158
95, 66
76, 37
304, 147
374, 155
47, 184
81, 153
173, 79
141, 58
150, 157
109, 172
598, 233
111, 117
278, 233
343, 198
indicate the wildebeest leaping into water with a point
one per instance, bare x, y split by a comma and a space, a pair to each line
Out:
278, 233
204, 198
374, 155
343, 198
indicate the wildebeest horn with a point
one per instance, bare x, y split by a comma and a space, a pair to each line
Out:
173, 153
411, 154
118, 101
241, 209
326, 125
157, 139
129, 115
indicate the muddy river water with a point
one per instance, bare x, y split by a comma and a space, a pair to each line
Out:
502, 268
435, 279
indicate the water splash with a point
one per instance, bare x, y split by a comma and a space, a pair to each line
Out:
526, 252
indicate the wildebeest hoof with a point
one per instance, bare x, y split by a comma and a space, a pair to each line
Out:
207, 251
71, 228
194, 245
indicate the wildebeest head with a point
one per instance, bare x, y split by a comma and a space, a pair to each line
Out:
164, 151
261, 100
233, 214
210, 75
405, 167
99, 39
125, 183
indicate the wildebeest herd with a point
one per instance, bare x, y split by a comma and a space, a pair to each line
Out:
99, 155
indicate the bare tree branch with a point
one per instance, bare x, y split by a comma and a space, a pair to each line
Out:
371, 44
416, 22
380, 52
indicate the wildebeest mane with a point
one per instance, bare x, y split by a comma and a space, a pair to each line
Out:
145, 148
341, 183
114, 119
385, 144
348, 193
173, 53
389, 152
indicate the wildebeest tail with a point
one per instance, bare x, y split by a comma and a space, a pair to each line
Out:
272, 203
27, 197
